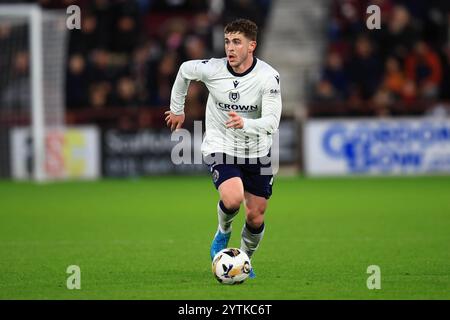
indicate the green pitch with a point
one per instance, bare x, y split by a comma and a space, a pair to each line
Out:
150, 238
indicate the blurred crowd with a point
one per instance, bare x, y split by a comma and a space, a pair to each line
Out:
127, 52
406, 61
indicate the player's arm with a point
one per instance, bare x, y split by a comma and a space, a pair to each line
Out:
189, 70
271, 110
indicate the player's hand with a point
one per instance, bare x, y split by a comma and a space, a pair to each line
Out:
235, 121
174, 121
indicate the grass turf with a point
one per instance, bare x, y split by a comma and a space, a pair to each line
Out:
150, 238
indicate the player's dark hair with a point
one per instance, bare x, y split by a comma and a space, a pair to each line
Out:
248, 28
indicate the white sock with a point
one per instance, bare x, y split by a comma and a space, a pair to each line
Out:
225, 217
250, 239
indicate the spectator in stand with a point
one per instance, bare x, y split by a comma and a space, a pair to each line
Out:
424, 68
436, 23
99, 95
382, 100
394, 79
167, 72
126, 27
400, 34
126, 35
16, 93
77, 82
173, 34
194, 48
126, 95
365, 69
103, 12
347, 19
139, 66
101, 66
202, 28
324, 92
155, 52
88, 38
395, 88
335, 74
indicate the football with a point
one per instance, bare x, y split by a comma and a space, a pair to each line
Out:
231, 266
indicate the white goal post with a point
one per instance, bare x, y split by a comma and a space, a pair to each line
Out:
47, 53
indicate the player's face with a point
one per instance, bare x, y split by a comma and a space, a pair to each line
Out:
238, 49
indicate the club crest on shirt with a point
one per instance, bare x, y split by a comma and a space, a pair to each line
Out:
234, 96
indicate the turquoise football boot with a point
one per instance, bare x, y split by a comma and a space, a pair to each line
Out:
219, 243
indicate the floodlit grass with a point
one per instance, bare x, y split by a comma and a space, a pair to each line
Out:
150, 238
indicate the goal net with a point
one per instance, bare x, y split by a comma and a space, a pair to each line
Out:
32, 87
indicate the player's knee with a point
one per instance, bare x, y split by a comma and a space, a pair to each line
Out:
232, 201
255, 221
255, 216
256, 210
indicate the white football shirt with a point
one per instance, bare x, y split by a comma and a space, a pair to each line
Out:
255, 95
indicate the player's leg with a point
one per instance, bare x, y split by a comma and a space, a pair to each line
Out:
253, 230
258, 189
231, 196
227, 179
